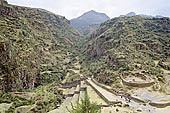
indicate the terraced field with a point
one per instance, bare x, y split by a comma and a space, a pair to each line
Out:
109, 102
73, 96
107, 99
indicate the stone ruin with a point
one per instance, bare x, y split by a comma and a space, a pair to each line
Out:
136, 80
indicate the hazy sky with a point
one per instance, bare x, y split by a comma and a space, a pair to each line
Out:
113, 8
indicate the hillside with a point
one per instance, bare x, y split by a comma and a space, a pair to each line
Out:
89, 21
128, 44
47, 66
145, 35
36, 47
30, 39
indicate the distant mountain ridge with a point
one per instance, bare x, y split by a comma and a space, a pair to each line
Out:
89, 21
142, 15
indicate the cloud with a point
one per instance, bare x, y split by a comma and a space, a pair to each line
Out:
113, 8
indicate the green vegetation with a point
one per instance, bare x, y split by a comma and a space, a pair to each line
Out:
127, 44
16, 101
34, 48
38, 50
41, 99
85, 107
46, 97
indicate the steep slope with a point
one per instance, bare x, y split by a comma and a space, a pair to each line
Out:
32, 41
128, 44
131, 55
150, 34
89, 21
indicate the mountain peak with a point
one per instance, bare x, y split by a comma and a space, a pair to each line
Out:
89, 19
142, 15
131, 14
92, 11
93, 14
88, 13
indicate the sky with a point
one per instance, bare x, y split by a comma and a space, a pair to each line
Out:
113, 8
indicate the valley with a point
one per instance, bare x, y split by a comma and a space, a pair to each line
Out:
49, 64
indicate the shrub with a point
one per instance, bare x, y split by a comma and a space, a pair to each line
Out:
85, 107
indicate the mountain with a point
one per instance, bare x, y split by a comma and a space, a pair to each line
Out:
128, 44
143, 15
129, 14
89, 21
37, 48
119, 31
32, 41
158, 16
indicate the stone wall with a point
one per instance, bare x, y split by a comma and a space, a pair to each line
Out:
102, 86
103, 97
72, 84
159, 105
134, 84
117, 93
